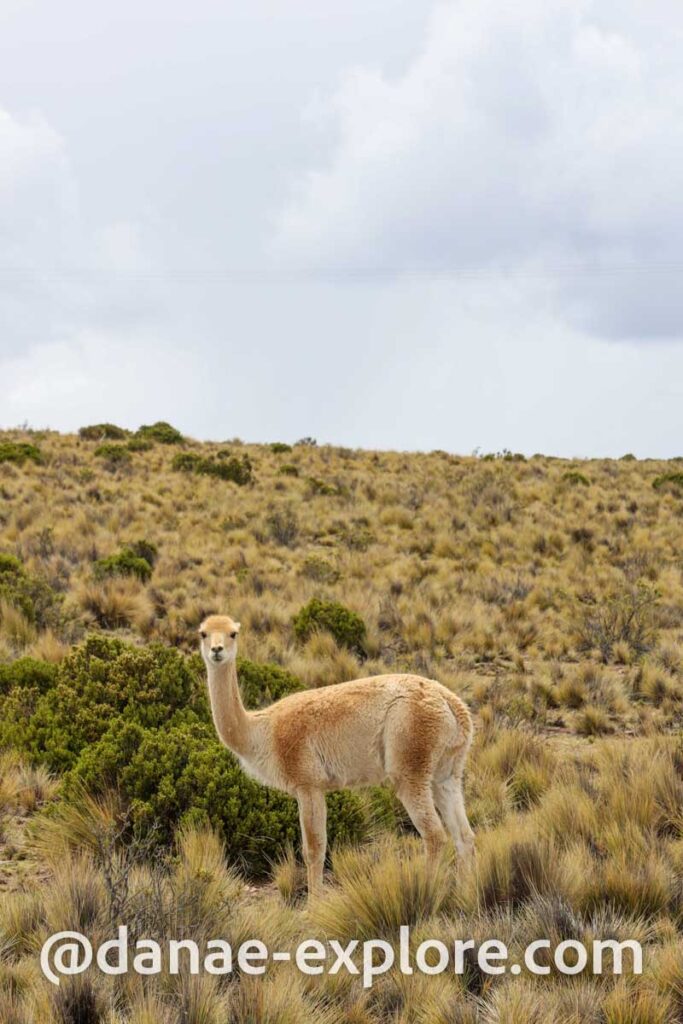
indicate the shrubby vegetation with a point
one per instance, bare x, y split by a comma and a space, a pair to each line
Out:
113, 455
103, 432
224, 465
554, 608
135, 559
136, 719
669, 481
19, 452
161, 432
31, 595
347, 628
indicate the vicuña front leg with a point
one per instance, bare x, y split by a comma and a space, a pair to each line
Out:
313, 818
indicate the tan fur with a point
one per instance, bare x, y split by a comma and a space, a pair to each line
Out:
404, 729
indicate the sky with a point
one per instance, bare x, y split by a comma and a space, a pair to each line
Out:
386, 225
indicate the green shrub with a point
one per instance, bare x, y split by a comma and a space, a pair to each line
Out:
25, 673
113, 454
160, 431
125, 563
103, 432
30, 594
226, 466
145, 549
182, 774
347, 628
670, 481
186, 462
239, 470
139, 444
279, 447
137, 719
288, 469
19, 452
574, 478
103, 680
261, 684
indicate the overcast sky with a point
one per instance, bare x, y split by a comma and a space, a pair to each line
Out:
382, 224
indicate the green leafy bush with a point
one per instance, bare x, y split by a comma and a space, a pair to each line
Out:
669, 481
145, 549
225, 466
19, 452
574, 478
25, 673
30, 594
103, 432
114, 455
125, 563
160, 431
347, 628
279, 447
138, 719
104, 679
187, 462
139, 444
288, 469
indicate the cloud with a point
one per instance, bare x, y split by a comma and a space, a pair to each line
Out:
541, 138
60, 278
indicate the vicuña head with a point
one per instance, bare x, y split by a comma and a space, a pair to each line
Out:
404, 729
218, 638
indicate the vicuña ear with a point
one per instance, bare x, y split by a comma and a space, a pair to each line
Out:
237, 627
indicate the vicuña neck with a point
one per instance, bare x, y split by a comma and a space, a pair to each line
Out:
229, 714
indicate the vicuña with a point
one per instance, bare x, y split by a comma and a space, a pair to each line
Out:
402, 728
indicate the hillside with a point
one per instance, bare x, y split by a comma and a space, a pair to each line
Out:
547, 593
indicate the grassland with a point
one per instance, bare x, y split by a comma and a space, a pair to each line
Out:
548, 593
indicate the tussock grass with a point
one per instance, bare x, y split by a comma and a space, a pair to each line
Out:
553, 607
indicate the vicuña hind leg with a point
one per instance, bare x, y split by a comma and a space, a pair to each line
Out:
419, 803
450, 802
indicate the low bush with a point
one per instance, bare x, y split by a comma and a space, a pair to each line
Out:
670, 482
125, 563
103, 432
19, 452
25, 673
575, 479
138, 719
288, 469
279, 447
139, 444
114, 455
347, 628
32, 595
224, 466
161, 432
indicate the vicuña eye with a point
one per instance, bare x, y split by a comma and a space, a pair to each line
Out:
202, 634
233, 635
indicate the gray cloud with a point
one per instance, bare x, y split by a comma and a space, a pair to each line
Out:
544, 138
407, 229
